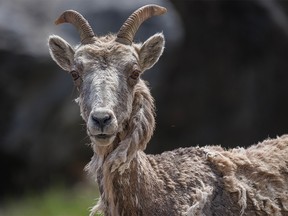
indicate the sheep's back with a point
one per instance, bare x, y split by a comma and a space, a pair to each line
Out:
258, 176
214, 181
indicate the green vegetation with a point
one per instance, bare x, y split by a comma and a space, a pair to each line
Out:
57, 201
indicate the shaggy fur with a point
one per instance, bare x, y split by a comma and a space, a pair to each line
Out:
199, 181
187, 181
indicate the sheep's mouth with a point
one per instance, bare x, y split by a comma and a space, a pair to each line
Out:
103, 136
102, 139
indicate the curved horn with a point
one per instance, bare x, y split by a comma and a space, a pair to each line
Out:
81, 24
129, 28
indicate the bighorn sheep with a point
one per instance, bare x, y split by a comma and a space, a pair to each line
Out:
117, 106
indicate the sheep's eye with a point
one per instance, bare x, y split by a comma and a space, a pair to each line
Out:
135, 74
74, 75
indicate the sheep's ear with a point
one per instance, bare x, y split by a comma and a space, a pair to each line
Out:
61, 52
151, 50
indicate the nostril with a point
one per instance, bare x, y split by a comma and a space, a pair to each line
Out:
107, 119
95, 120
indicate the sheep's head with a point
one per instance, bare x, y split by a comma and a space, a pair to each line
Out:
106, 70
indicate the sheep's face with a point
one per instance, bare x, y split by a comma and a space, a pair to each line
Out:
106, 73
109, 74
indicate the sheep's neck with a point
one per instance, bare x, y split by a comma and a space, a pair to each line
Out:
121, 192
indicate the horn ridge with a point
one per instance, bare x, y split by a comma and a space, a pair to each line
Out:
81, 24
128, 30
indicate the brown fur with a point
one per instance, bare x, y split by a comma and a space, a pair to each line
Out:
200, 181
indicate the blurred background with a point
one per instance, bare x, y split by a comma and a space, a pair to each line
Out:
221, 80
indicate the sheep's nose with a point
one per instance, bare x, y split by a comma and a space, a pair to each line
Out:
101, 119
